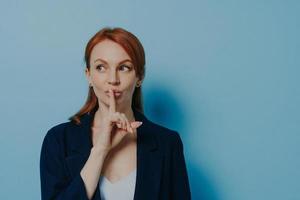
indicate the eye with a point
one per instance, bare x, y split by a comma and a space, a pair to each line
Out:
125, 68
100, 67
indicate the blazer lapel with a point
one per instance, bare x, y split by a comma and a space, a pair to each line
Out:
149, 159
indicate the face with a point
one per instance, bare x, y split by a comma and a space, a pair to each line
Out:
112, 68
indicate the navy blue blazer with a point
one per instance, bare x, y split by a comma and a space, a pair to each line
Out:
161, 168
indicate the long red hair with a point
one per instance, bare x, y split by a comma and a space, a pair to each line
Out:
134, 49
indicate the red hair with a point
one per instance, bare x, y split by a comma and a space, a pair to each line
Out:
133, 48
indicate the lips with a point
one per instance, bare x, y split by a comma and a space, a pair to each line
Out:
117, 93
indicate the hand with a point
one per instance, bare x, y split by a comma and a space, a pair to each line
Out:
114, 128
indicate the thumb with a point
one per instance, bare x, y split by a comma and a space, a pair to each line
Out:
136, 124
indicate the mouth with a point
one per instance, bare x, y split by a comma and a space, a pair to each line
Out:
116, 93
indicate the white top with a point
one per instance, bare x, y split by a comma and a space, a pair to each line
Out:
122, 189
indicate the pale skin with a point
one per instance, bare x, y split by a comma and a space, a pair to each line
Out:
114, 128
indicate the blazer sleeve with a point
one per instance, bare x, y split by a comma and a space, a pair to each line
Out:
55, 183
180, 180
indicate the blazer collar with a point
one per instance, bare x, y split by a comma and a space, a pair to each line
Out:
149, 160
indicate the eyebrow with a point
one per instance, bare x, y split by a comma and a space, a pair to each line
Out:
123, 61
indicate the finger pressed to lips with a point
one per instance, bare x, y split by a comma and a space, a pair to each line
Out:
112, 103
122, 121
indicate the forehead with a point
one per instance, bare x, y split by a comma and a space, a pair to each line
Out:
108, 50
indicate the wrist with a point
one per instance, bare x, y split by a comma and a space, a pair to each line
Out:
99, 152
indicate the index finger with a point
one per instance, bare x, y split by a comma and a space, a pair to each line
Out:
112, 102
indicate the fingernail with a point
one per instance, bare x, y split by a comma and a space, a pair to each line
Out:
139, 124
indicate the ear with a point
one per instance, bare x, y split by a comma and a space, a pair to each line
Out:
87, 71
87, 74
140, 81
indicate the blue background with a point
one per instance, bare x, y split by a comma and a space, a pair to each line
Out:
224, 74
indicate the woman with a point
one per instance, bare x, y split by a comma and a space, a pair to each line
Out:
109, 149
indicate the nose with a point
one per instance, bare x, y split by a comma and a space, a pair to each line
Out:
113, 78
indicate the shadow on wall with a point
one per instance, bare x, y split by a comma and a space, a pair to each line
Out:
162, 107
201, 186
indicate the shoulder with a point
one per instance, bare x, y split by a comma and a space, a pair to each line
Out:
59, 133
165, 136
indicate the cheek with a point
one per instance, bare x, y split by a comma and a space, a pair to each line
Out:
98, 87
97, 92
99, 82
130, 86
129, 93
